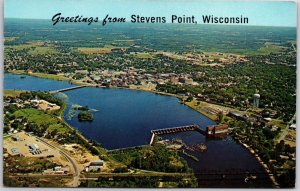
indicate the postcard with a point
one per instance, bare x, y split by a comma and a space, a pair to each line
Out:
149, 94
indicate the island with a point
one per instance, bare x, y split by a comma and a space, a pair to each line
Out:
85, 116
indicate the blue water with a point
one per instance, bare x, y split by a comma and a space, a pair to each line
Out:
124, 118
15, 82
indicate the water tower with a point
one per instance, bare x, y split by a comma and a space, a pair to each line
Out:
256, 98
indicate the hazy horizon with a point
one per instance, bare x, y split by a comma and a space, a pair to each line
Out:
99, 23
260, 13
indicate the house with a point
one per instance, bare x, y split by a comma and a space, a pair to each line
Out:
266, 122
16, 138
15, 151
86, 72
35, 101
59, 169
174, 80
293, 126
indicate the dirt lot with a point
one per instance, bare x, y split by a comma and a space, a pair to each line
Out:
22, 145
81, 155
44, 105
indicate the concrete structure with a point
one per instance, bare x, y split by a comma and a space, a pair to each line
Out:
175, 129
256, 98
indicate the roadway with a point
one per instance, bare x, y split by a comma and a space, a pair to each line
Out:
73, 162
67, 89
286, 130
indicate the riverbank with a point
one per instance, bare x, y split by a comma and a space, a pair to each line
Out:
78, 134
265, 166
192, 106
190, 156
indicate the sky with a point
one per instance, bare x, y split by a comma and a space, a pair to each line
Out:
268, 13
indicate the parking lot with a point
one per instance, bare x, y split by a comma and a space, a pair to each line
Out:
27, 145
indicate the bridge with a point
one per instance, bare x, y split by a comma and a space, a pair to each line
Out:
175, 130
67, 89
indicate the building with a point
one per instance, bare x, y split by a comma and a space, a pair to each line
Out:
16, 138
97, 163
217, 130
174, 80
95, 166
236, 115
15, 151
188, 81
293, 126
59, 169
85, 72
34, 149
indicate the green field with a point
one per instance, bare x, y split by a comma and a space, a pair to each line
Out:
50, 76
35, 48
42, 50
12, 93
42, 119
268, 48
86, 50
142, 55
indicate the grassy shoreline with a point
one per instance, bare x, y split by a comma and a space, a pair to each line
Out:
259, 160
60, 116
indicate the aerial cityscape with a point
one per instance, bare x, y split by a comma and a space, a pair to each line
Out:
148, 105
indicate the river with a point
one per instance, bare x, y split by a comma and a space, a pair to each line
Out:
124, 118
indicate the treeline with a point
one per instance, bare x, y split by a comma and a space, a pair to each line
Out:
140, 182
235, 85
41, 95
28, 165
154, 158
273, 154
